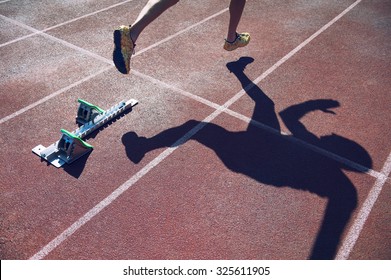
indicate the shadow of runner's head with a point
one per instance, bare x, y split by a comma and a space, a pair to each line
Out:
347, 149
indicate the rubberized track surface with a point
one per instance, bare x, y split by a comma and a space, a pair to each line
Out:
229, 155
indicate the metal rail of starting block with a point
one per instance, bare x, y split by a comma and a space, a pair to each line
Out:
71, 146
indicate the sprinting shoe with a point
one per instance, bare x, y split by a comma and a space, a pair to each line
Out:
123, 49
241, 40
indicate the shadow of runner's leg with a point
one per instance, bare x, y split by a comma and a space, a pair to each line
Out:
264, 110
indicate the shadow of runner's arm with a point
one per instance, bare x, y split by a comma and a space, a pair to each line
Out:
292, 115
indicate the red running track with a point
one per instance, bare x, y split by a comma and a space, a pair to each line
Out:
279, 150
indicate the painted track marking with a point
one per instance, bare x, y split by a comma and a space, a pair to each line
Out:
37, 32
345, 161
121, 189
358, 225
190, 95
54, 94
91, 54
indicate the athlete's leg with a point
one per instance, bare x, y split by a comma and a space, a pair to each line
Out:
234, 39
125, 37
236, 8
152, 10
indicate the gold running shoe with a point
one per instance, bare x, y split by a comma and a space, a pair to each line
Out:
123, 49
242, 40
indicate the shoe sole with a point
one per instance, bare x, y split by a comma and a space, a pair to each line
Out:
120, 47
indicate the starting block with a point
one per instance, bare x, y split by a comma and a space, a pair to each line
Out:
71, 146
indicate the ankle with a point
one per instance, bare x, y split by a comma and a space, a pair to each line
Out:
133, 35
231, 37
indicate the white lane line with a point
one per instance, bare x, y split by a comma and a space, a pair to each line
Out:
356, 228
175, 89
19, 24
37, 32
60, 41
113, 196
182, 31
360, 168
291, 53
124, 187
54, 94
87, 15
18, 39
91, 54
1, 2
345, 161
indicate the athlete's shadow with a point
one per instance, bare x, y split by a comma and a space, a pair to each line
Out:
275, 160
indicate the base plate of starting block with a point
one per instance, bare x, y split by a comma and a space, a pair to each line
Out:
71, 145
53, 159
